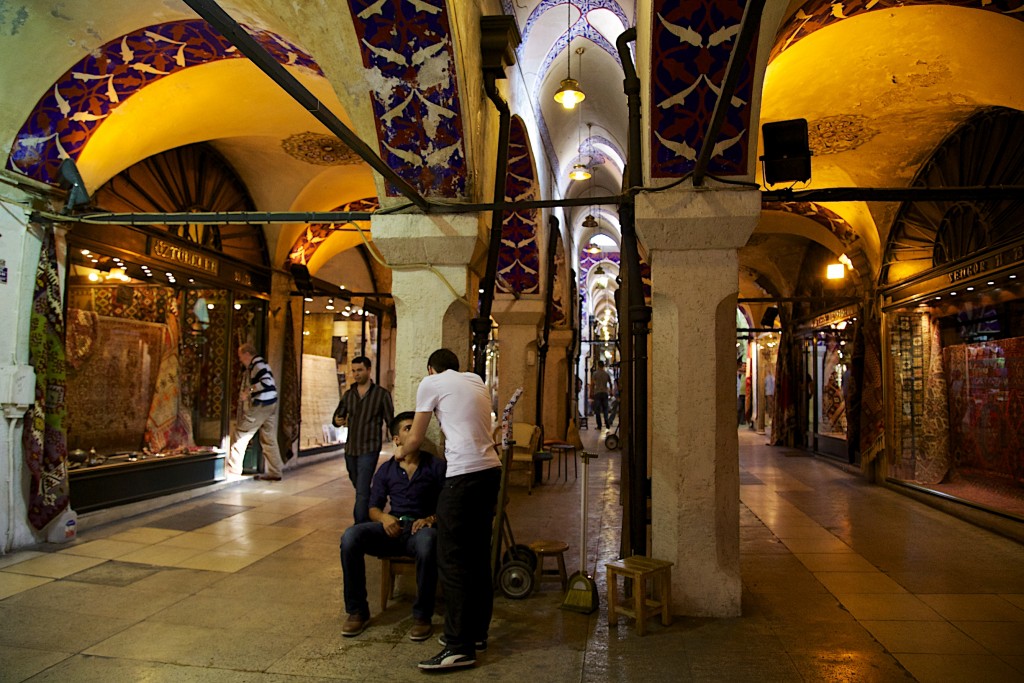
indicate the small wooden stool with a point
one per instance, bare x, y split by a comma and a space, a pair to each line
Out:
640, 570
390, 567
551, 549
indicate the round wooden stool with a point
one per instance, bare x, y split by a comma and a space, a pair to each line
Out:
554, 549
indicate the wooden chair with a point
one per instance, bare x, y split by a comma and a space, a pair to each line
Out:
524, 452
390, 567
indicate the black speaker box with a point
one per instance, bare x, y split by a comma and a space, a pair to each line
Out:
787, 156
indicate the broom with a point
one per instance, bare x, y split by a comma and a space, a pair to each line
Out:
582, 593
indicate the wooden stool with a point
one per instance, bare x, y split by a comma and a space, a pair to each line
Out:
551, 549
640, 570
390, 567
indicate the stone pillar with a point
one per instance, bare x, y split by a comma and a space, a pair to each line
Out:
693, 238
434, 291
519, 323
556, 384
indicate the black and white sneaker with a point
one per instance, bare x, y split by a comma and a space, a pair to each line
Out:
480, 645
448, 659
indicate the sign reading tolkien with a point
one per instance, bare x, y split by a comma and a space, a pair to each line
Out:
183, 256
835, 316
1003, 258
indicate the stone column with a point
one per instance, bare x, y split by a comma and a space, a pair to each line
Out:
556, 384
693, 237
434, 290
519, 322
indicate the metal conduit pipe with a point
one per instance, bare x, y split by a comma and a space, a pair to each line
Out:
481, 325
634, 316
542, 349
233, 32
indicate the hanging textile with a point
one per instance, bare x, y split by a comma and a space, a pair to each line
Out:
785, 430
288, 419
45, 438
169, 424
872, 408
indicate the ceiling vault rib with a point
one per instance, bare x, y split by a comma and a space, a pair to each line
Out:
233, 32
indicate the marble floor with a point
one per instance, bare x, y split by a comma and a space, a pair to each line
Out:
842, 581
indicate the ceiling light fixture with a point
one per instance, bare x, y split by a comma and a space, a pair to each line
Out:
569, 93
579, 172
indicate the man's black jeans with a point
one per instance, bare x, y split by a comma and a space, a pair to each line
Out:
465, 515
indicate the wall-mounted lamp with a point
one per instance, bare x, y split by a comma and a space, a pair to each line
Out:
835, 271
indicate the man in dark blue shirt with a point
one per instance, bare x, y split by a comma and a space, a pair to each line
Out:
413, 483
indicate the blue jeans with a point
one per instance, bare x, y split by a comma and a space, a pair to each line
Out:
370, 539
601, 409
360, 473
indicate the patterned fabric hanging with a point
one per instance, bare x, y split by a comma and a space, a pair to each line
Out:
288, 419
45, 437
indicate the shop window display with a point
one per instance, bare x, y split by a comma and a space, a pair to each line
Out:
331, 339
958, 402
149, 367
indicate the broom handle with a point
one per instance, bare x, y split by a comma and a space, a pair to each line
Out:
583, 518
585, 457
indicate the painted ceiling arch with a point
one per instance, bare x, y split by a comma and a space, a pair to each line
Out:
819, 14
408, 53
883, 105
519, 253
77, 104
691, 43
316, 235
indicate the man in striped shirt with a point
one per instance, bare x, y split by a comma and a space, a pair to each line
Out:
366, 408
259, 414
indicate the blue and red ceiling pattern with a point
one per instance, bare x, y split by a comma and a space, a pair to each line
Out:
691, 43
407, 50
66, 117
317, 233
519, 255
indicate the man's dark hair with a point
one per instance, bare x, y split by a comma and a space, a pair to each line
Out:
443, 359
600, 363
362, 360
397, 420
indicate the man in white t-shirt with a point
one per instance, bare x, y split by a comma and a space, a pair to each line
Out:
465, 509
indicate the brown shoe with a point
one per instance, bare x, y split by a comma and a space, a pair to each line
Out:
421, 630
266, 477
354, 625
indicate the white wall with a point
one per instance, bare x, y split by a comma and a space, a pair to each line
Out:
19, 250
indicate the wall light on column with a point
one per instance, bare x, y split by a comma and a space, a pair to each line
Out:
835, 271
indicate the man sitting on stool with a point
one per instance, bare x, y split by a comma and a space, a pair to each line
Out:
413, 483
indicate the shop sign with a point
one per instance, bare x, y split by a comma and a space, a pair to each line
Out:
183, 256
242, 278
1003, 258
835, 316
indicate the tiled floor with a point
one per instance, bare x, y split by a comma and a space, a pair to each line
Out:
841, 581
